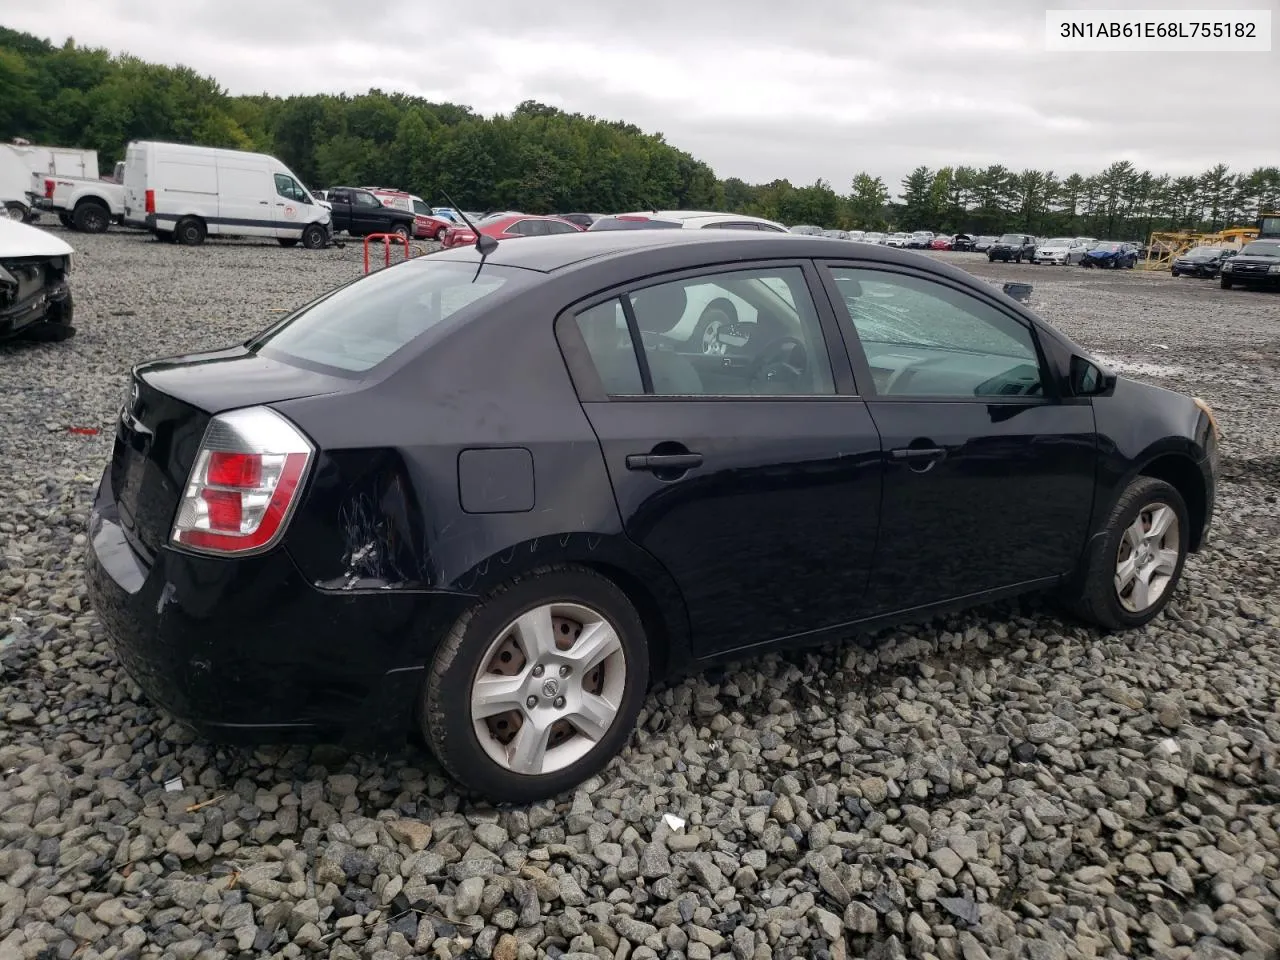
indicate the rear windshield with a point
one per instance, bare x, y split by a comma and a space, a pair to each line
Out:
362, 324
615, 223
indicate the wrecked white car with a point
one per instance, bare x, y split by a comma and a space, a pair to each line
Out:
35, 298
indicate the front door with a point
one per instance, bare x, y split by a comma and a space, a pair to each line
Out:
751, 477
293, 208
989, 475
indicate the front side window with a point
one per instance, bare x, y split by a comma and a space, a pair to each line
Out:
288, 188
925, 339
743, 333
366, 200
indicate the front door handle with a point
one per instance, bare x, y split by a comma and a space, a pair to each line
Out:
663, 461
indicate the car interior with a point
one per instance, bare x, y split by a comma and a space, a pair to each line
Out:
925, 340
774, 349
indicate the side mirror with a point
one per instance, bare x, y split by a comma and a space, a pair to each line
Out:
1089, 379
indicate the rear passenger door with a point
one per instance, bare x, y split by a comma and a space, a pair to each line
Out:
754, 479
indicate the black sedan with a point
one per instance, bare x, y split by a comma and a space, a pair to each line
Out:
1257, 265
496, 497
1201, 262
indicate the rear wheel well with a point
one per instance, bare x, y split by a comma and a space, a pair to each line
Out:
1182, 474
656, 629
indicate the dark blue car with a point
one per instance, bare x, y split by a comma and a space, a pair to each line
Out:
1111, 253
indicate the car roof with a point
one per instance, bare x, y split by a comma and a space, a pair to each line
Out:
553, 254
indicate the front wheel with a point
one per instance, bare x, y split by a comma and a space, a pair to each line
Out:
15, 211
1132, 570
538, 687
314, 237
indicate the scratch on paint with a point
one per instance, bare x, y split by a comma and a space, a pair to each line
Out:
166, 597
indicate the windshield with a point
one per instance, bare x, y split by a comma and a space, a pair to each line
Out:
1057, 242
1107, 247
1011, 238
617, 223
1203, 252
362, 324
1262, 248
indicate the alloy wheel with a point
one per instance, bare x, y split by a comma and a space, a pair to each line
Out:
712, 346
548, 689
1147, 558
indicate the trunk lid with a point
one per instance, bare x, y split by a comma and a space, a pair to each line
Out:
162, 421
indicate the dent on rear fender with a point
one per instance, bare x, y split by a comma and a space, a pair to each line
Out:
383, 546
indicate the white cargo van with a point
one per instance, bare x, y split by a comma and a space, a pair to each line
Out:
186, 193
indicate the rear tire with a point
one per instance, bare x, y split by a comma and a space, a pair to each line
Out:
91, 217
64, 218
15, 211
189, 232
1117, 562
401, 230
487, 645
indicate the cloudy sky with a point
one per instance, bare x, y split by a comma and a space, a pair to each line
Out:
825, 89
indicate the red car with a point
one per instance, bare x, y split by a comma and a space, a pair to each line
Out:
941, 243
426, 225
507, 226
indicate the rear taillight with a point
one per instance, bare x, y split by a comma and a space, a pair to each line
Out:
151, 201
48, 189
245, 482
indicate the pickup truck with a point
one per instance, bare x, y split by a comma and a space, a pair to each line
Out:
360, 213
82, 204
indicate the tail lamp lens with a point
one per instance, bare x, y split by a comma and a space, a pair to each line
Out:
151, 201
244, 485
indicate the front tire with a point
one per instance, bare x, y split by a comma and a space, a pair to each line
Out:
313, 237
538, 686
15, 211
1132, 571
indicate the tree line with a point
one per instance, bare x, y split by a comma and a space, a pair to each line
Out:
541, 159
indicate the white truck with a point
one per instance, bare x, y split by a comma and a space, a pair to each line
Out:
186, 193
80, 203
23, 167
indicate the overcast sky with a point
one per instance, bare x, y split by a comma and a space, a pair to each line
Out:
824, 89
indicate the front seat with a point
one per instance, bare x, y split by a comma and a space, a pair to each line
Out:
658, 311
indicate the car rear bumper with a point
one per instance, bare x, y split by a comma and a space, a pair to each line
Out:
247, 651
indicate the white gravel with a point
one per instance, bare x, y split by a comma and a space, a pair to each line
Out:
994, 785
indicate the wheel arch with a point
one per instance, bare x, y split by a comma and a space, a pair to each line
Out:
1182, 473
646, 583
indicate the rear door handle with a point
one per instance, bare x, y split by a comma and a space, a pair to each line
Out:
918, 453
663, 461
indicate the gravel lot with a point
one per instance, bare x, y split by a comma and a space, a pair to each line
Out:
993, 785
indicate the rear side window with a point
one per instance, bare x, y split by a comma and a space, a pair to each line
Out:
366, 322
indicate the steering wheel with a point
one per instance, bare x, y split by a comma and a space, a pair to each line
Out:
780, 355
